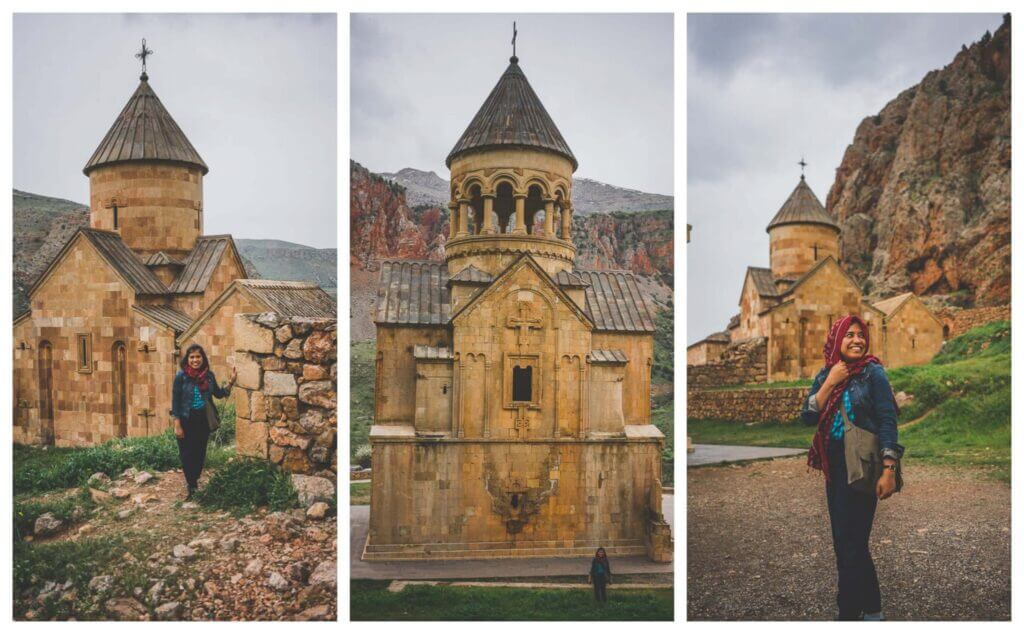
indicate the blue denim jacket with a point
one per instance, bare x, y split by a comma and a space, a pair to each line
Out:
873, 407
181, 394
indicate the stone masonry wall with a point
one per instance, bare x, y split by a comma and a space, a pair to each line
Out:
741, 363
960, 320
286, 395
749, 406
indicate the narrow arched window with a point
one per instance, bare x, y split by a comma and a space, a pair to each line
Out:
522, 384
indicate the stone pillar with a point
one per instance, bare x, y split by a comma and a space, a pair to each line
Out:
566, 221
549, 217
453, 219
463, 218
488, 228
520, 214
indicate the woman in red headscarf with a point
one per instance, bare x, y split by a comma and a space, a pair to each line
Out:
853, 380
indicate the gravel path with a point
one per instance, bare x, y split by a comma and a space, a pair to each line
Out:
759, 545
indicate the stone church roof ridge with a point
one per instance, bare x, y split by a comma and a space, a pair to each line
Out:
202, 262
125, 263
168, 316
802, 207
512, 115
145, 131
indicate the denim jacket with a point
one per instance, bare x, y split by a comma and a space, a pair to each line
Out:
873, 407
181, 395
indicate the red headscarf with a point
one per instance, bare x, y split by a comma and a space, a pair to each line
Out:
817, 457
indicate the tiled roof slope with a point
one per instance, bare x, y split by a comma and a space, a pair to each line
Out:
144, 131
512, 115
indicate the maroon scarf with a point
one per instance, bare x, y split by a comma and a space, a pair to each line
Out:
199, 377
817, 457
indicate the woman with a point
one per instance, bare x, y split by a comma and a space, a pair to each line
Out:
856, 381
194, 386
600, 575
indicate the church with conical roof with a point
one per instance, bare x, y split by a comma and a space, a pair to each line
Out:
513, 395
97, 350
789, 307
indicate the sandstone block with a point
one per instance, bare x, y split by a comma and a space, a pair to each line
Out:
320, 347
240, 397
251, 337
258, 407
312, 372
249, 372
319, 393
280, 384
251, 438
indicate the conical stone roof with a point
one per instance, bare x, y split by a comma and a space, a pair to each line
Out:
145, 131
512, 115
802, 207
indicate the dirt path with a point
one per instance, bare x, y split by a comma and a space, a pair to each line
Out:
265, 566
759, 545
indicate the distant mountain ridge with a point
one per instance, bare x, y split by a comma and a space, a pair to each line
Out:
588, 196
43, 225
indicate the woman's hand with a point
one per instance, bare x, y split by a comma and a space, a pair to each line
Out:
837, 374
234, 375
886, 484
179, 431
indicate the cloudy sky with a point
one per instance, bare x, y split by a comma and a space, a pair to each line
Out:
256, 95
606, 80
764, 90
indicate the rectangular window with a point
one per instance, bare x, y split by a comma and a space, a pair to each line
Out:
84, 345
522, 384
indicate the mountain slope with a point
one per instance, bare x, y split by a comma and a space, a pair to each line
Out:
923, 191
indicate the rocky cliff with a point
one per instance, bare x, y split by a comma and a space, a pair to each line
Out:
923, 192
384, 225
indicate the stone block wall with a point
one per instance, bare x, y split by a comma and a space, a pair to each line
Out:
741, 363
286, 394
957, 321
781, 405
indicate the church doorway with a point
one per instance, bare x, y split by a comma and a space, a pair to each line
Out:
120, 389
45, 369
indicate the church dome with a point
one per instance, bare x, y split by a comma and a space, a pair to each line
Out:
802, 207
145, 131
512, 115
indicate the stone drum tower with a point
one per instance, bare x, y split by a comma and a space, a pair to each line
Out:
512, 413
146, 179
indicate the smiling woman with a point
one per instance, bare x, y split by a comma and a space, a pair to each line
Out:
851, 399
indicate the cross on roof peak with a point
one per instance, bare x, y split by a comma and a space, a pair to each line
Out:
802, 165
143, 53
515, 33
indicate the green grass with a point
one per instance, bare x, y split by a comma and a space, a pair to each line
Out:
39, 469
371, 601
662, 417
243, 484
361, 394
965, 393
359, 493
26, 511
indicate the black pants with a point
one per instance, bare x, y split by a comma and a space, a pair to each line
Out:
192, 448
852, 514
600, 589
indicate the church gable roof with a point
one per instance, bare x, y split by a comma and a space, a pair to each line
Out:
802, 207
763, 281
145, 131
615, 303
122, 260
413, 292
512, 115
166, 316
892, 304
201, 263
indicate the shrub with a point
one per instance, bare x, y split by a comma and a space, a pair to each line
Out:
243, 484
363, 456
225, 434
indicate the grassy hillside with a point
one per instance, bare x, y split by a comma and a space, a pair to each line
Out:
959, 415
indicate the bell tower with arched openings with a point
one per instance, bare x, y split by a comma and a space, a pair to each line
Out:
511, 184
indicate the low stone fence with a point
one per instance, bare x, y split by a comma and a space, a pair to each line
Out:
742, 362
959, 320
766, 405
286, 396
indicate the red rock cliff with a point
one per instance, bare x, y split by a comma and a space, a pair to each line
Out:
923, 192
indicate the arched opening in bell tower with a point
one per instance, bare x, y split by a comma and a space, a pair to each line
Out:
534, 210
504, 206
476, 214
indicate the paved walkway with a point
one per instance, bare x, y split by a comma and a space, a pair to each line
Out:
720, 454
487, 568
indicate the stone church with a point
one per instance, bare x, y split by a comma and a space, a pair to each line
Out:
513, 394
790, 306
97, 350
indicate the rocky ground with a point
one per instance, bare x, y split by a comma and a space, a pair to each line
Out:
759, 545
180, 561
